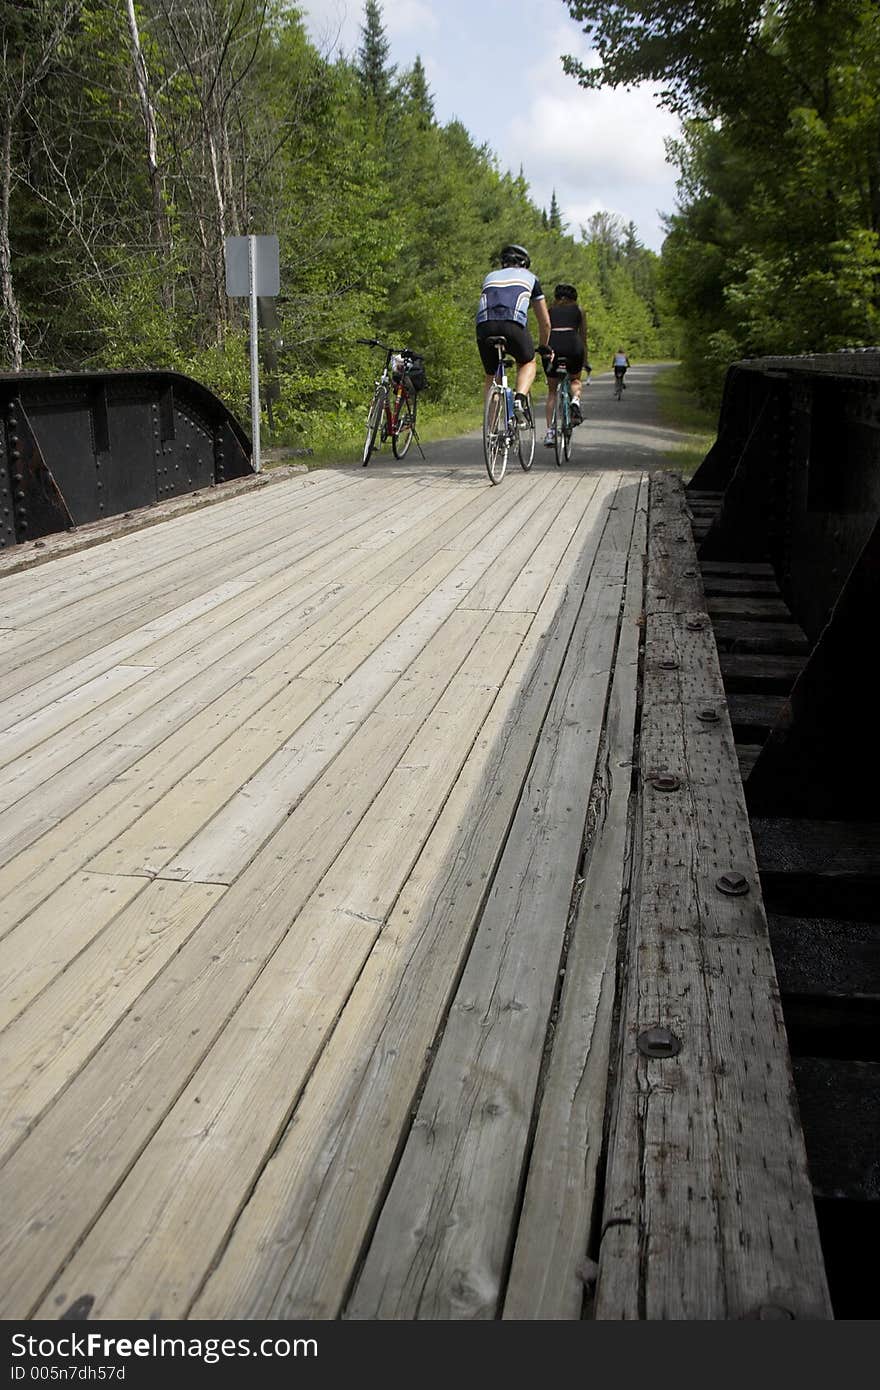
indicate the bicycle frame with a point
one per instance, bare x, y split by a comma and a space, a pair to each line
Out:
498, 438
561, 418
395, 421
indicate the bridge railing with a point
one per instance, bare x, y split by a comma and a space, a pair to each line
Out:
78, 447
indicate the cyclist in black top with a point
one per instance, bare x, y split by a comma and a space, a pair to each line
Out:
568, 339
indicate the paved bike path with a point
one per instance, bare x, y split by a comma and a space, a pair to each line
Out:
624, 434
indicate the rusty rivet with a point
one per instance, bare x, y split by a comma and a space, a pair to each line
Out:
734, 885
708, 716
665, 782
658, 1042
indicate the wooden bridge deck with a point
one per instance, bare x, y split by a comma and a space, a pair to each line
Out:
315, 832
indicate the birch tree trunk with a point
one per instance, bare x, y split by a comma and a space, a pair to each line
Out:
11, 315
160, 229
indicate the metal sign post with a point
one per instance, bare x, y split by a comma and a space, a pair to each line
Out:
255, 368
252, 269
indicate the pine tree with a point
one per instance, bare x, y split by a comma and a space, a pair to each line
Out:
417, 95
555, 218
373, 68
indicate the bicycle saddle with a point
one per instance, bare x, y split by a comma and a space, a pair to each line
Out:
500, 341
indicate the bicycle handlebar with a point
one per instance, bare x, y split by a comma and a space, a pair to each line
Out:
374, 342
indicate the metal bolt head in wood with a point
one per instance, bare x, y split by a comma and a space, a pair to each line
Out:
695, 625
658, 1042
708, 716
733, 884
665, 782
668, 664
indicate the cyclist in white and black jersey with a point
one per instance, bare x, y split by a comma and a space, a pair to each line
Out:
505, 299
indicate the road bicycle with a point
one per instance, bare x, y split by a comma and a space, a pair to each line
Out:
502, 432
392, 413
561, 422
618, 384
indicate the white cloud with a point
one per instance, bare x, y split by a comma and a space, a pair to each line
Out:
337, 24
413, 17
598, 150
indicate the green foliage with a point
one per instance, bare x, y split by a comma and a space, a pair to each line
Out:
387, 221
774, 248
374, 70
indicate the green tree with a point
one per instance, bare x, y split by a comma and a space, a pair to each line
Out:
416, 95
376, 73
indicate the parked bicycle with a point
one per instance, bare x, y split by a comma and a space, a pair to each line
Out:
561, 422
501, 429
392, 413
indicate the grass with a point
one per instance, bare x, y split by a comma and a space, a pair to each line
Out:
434, 421
680, 410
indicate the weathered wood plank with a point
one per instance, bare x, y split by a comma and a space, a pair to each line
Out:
708, 1210
246, 601
738, 568
527, 593
553, 1232
826, 956
721, 586
46, 941
329, 636
758, 712
55, 591
186, 1008
838, 848
746, 671
228, 658
298, 1242
248, 1084
220, 852
102, 618
55, 1036
439, 1249
743, 607
759, 636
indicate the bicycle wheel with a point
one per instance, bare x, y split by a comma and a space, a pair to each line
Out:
559, 418
374, 419
525, 438
495, 435
406, 422
568, 428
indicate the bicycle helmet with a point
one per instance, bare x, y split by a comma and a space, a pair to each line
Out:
515, 255
565, 292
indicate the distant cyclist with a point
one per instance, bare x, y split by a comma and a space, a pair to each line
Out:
568, 340
506, 297
620, 364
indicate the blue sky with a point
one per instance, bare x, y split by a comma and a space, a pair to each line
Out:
599, 150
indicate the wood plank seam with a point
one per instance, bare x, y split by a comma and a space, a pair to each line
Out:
708, 1211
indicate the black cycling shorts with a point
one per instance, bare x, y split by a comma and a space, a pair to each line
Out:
570, 347
519, 342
